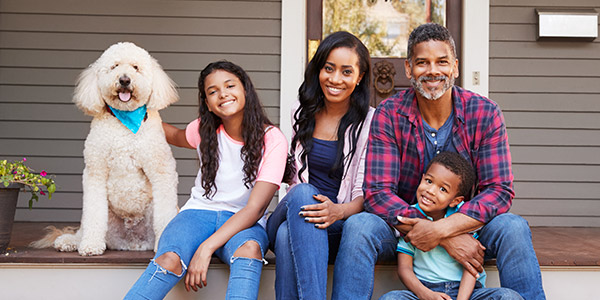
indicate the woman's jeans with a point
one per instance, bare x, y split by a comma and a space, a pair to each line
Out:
451, 289
302, 251
183, 235
366, 238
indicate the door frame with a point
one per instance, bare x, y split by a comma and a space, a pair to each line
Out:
475, 52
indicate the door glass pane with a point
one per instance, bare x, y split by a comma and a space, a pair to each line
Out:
382, 25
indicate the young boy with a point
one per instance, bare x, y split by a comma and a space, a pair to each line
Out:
444, 187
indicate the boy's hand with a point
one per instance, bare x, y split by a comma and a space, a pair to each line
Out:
423, 235
431, 295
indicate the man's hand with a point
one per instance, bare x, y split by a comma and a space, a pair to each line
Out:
467, 251
423, 235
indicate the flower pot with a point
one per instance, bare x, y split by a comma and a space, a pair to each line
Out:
8, 205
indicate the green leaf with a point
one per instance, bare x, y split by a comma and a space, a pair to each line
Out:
52, 189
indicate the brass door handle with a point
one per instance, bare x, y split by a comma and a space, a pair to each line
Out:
384, 72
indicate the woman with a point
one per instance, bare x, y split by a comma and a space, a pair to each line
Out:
331, 126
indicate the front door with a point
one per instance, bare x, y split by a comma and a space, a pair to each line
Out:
383, 26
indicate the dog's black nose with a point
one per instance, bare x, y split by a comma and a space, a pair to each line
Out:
124, 80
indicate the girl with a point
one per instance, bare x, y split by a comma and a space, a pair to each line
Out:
242, 161
331, 127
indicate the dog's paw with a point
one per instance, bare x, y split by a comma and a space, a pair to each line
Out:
89, 248
66, 243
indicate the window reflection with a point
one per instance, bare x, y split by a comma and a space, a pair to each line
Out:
382, 25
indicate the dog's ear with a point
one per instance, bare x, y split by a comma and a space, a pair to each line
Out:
163, 88
87, 93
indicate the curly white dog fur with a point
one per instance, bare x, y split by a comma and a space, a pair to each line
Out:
129, 180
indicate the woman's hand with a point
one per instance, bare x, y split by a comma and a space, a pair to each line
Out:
198, 268
322, 214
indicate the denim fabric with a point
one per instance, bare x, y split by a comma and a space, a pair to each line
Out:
367, 238
182, 236
302, 250
507, 238
451, 289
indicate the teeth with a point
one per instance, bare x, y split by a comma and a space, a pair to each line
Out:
334, 90
426, 200
227, 103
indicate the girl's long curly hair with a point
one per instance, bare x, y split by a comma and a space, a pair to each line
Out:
312, 100
253, 129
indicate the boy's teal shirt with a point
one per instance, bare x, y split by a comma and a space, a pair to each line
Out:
436, 265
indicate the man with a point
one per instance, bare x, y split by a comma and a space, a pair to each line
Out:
408, 130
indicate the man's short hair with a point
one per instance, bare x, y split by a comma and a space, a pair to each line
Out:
460, 167
428, 32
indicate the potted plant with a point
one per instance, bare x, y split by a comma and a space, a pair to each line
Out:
16, 176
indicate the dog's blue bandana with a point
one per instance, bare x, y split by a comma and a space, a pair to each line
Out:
131, 119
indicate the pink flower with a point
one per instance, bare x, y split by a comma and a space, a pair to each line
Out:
24, 159
43, 173
42, 192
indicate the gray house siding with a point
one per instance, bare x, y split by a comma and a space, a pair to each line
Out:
44, 45
549, 92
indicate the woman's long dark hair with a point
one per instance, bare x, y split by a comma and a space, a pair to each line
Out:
253, 129
312, 100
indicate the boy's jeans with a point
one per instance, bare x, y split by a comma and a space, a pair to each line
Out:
366, 238
183, 235
451, 289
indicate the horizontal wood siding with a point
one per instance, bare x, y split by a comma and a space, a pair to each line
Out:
44, 45
549, 92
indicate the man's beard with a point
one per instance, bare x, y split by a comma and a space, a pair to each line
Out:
432, 95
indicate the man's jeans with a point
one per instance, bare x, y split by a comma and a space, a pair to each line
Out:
302, 251
366, 238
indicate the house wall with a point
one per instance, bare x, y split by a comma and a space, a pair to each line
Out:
44, 45
549, 92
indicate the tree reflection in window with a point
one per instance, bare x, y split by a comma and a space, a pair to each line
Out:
382, 25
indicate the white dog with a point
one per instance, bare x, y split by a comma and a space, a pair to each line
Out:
129, 180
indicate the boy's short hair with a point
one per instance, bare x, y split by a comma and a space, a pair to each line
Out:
459, 166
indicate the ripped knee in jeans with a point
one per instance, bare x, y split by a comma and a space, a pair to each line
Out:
170, 262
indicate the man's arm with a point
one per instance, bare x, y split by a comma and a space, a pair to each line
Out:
382, 170
452, 234
492, 162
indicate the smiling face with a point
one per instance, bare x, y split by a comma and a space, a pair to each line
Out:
125, 76
340, 74
432, 69
438, 190
225, 95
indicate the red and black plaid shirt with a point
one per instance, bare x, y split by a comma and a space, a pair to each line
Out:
396, 149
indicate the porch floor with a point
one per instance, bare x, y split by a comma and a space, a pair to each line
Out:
555, 246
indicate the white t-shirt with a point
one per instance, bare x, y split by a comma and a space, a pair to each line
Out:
232, 195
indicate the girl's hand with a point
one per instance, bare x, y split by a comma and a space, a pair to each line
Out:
323, 214
198, 268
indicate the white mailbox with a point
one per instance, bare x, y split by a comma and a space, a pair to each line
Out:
569, 23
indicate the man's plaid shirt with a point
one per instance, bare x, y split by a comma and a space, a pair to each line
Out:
396, 148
